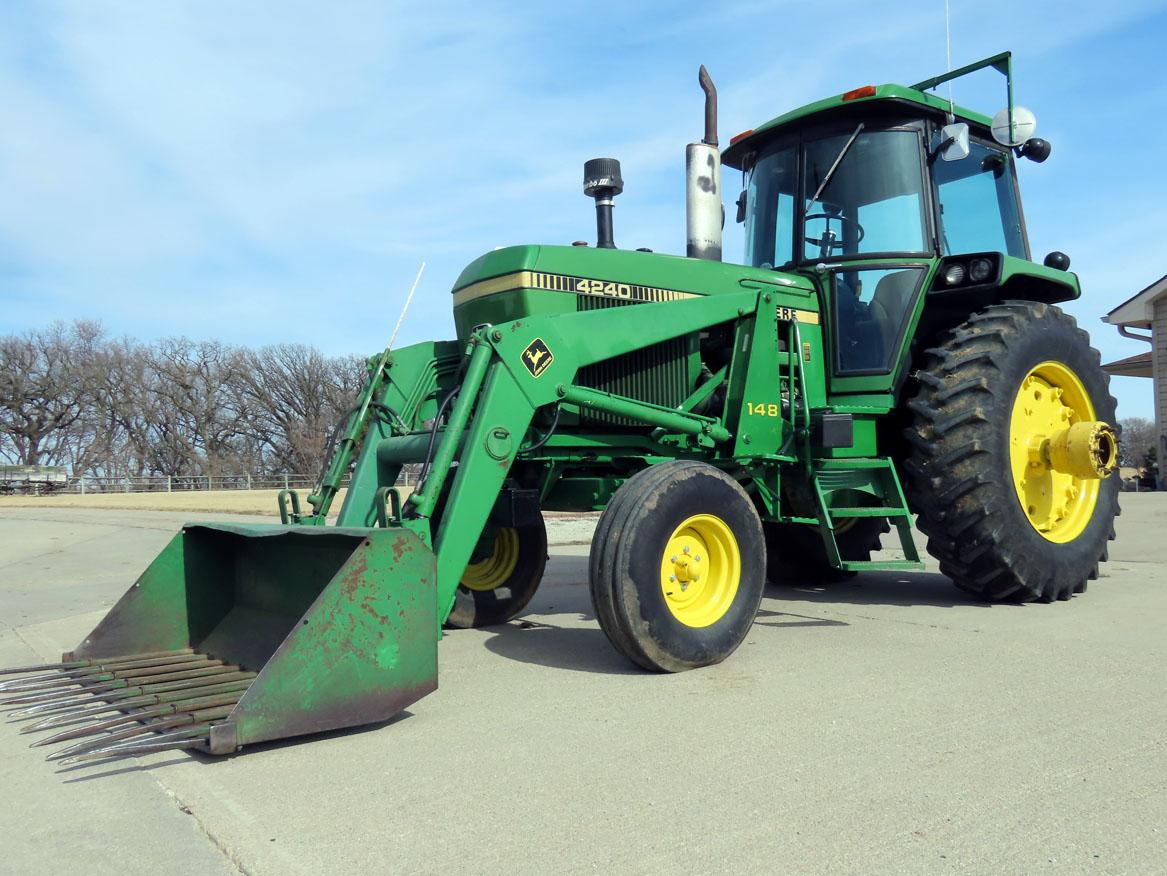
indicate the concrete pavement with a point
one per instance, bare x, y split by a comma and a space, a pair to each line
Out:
886, 724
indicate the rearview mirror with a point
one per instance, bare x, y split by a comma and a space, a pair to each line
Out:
954, 142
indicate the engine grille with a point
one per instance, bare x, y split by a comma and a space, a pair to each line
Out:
656, 374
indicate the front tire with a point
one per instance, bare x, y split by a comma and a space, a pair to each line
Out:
677, 566
498, 584
1004, 524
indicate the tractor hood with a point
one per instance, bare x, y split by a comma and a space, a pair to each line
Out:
518, 281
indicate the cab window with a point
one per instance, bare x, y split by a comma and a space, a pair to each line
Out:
978, 203
871, 309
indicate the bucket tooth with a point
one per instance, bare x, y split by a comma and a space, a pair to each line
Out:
116, 668
79, 664
178, 720
145, 695
53, 696
189, 737
229, 696
101, 674
100, 677
112, 698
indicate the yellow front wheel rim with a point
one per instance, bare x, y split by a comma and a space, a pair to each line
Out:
496, 569
700, 570
1050, 399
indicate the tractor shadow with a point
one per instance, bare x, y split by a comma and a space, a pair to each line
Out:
879, 588
115, 766
578, 649
549, 632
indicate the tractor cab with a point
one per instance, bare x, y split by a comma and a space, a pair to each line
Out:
869, 193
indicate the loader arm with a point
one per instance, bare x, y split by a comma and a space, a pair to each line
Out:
495, 406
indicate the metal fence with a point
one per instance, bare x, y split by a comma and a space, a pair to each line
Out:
186, 483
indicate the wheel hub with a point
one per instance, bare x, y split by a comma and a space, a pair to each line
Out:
1058, 451
494, 570
700, 570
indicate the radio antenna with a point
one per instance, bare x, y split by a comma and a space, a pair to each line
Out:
408, 299
948, 52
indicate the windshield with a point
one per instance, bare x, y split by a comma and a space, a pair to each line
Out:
978, 203
872, 203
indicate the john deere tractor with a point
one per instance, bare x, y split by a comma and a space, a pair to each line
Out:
886, 349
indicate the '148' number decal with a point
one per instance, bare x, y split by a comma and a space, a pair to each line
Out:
769, 409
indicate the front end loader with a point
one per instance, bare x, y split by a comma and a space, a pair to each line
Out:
886, 351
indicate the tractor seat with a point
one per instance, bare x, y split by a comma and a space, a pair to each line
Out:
889, 306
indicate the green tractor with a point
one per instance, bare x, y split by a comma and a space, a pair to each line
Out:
886, 350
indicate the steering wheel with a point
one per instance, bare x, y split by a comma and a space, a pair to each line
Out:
829, 241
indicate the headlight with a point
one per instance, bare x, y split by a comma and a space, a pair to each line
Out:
980, 270
953, 275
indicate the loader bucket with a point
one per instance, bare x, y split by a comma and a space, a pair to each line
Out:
237, 634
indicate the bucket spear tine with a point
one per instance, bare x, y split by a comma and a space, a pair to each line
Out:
191, 737
112, 699
136, 703
100, 674
179, 720
116, 667
80, 664
206, 701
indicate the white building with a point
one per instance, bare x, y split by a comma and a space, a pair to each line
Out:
1147, 310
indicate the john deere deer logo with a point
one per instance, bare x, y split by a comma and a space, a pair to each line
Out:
537, 357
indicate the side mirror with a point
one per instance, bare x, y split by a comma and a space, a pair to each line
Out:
1035, 149
954, 142
1059, 261
741, 207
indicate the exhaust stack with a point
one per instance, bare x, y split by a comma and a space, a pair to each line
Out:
705, 215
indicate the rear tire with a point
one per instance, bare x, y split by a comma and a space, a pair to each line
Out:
981, 523
667, 614
498, 585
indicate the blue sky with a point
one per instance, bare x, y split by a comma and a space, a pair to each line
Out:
263, 172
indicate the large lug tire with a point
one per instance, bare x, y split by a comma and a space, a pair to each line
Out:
498, 585
1004, 524
677, 566
795, 553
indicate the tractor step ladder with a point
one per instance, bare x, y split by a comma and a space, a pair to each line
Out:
867, 479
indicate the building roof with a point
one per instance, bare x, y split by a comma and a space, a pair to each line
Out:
1135, 312
1138, 365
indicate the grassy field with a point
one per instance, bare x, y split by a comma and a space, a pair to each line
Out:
200, 501
205, 501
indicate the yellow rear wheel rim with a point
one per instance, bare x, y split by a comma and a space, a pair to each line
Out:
700, 570
496, 569
1058, 505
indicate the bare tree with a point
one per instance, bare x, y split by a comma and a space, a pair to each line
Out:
1138, 438
46, 391
293, 397
69, 395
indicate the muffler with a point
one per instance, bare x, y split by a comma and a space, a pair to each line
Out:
704, 212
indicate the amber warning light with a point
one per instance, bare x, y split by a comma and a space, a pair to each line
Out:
865, 91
